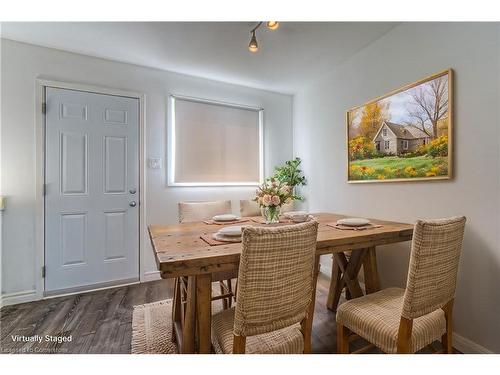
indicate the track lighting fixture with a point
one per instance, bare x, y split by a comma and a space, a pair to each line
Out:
253, 45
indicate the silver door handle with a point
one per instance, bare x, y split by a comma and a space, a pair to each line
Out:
133, 204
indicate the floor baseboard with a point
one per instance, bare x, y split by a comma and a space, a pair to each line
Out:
467, 346
152, 276
18, 297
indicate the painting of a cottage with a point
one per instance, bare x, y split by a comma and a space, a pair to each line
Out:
404, 135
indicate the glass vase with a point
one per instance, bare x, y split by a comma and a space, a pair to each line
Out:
271, 214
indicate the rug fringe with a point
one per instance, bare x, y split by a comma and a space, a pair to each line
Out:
139, 343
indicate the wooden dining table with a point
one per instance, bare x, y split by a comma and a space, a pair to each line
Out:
180, 252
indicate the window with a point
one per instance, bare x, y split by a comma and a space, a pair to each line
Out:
386, 144
404, 144
214, 144
384, 132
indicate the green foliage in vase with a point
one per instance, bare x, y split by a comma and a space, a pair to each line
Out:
291, 174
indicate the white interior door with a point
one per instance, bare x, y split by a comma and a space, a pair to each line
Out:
92, 189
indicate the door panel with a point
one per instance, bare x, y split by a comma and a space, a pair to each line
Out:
74, 172
115, 235
91, 165
115, 167
73, 238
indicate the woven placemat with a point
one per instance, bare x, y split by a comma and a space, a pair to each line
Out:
214, 239
346, 227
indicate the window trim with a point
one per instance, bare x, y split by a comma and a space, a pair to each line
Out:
384, 132
387, 145
405, 144
170, 153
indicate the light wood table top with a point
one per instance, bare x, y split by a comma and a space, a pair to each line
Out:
179, 250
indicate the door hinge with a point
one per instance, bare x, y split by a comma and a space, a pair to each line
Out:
44, 108
44, 270
44, 190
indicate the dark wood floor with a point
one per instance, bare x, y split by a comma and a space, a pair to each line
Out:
101, 321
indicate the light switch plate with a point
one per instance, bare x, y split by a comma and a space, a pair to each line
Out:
154, 163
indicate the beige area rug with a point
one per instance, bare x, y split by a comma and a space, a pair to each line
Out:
152, 328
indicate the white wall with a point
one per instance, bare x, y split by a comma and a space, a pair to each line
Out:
23, 63
407, 53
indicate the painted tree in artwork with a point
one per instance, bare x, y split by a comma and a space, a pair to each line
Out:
374, 114
430, 105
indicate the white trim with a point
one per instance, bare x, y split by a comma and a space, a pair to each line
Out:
41, 84
91, 288
467, 346
152, 276
18, 297
171, 142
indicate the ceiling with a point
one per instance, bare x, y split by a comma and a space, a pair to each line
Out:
287, 59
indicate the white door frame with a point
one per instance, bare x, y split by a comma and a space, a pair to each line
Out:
41, 84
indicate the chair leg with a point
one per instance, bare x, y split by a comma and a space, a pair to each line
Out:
223, 291
342, 339
230, 289
446, 339
239, 343
404, 336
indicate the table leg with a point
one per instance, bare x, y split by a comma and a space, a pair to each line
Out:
348, 270
176, 308
204, 312
308, 321
334, 290
351, 274
372, 282
188, 328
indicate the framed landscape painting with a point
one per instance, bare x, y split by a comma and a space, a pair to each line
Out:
405, 135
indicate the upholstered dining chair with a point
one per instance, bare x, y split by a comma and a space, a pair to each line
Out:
406, 320
199, 211
275, 286
251, 208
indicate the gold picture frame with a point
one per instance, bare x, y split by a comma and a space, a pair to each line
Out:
405, 135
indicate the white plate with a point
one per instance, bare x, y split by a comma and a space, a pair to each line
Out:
353, 222
225, 217
291, 214
219, 237
301, 218
232, 231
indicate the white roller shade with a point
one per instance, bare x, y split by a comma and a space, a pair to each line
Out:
214, 144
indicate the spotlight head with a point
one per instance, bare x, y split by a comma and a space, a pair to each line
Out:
273, 25
253, 46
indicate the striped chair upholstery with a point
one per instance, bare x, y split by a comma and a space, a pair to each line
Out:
198, 211
274, 291
252, 208
430, 287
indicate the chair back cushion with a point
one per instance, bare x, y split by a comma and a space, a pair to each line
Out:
275, 277
199, 211
432, 274
249, 208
